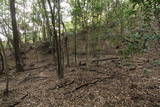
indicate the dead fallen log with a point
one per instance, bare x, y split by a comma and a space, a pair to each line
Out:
105, 59
30, 69
92, 70
61, 86
88, 84
18, 102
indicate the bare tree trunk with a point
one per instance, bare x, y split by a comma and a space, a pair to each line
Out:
65, 44
23, 20
75, 39
57, 43
44, 32
67, 49
87, 48
5, 67
49, 31
2, 62
16, 37
60, 73
59, 33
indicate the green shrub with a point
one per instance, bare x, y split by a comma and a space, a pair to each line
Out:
136, 43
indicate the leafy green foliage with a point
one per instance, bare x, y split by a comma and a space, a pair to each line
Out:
136, 43
149, 7
156, 62
146, 71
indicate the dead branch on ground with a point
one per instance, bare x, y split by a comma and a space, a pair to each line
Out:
88, 84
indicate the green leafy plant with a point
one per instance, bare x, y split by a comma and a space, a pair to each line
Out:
156, 62
136, 43
146, 71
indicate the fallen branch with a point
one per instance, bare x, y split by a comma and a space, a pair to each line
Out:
106, 59
97, 71
18, 102
61, 86
87, 84
30, 69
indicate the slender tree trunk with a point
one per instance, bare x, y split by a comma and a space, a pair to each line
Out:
75, 39
67, 49
49, 31
44, 32
60, 69
5, 67
40, 4
2, 62
66, 44
25, 36
87, 48
61, 75
16, 37
23, 21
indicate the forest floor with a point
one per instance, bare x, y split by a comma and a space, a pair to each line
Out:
133, 82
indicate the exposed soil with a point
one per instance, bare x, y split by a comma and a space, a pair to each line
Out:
133, 82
